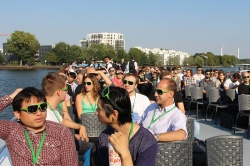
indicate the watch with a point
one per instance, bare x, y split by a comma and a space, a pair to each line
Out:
157, 137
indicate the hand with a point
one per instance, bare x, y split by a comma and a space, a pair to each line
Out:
16, 92
120, 142
83, 134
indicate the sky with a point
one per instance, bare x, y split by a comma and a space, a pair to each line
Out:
192, 26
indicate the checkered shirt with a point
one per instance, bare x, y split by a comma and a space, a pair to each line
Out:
5, 101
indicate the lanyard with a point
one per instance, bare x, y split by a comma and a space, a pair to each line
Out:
131, 130
133, 103
90, 103
154, 120
35, 157
54, 113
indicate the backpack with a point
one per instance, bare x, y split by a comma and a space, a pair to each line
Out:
131, 67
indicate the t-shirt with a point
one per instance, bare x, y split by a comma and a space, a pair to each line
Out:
142, 146
230, 84
51, 115
198, 77
139, 103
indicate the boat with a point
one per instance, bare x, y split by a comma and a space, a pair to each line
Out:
242, 67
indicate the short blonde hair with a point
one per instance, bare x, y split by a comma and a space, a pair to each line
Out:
51, 83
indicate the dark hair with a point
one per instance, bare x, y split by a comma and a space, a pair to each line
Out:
207, 71
106, 57
25, 95
118, 100
198, 67
72, 74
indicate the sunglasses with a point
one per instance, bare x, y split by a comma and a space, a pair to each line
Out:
32, 109
119, 74
246, 77
87, 83
160, 92
129, 82
111, 71
64, 89
208, 74
175, 73
105, 92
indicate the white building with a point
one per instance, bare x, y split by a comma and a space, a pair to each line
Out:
114, 39
165, 54
1, 50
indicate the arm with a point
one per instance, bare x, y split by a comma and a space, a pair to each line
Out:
78, 105
68, 147
177, 135
65, 111
107, 81
6, 100
181, 107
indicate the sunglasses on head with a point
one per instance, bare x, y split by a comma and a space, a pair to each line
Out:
129, 82
160, 92
246, 77
105, 92
32, 109
87, 83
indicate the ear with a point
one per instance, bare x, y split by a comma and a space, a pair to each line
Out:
171, 94
136, 86
17, 114
114, 115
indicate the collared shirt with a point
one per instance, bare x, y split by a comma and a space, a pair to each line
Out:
198, 77
172, 121
58, 148
5, 101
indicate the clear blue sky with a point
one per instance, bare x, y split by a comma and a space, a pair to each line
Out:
191, 26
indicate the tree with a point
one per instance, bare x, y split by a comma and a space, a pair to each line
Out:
61, 50
199, 61
23, 44
2, 59
51, 57
121, 53
138, 55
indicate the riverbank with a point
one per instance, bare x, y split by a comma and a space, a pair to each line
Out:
28, 67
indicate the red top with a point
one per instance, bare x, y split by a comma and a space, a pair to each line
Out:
117, 82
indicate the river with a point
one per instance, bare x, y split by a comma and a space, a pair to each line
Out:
13, 79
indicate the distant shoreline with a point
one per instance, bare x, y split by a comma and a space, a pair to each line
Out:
28, 67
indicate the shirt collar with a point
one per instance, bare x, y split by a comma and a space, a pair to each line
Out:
165, 108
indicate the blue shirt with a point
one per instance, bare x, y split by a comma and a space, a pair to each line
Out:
171, 121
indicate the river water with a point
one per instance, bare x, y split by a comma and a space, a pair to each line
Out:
13, 79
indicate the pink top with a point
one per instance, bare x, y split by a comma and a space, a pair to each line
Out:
117, 82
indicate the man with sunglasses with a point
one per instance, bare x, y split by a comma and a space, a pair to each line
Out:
244, 87
163, 118
139, 102
55, 90
206, 82
31, 140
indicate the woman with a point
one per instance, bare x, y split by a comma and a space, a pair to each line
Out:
118, 80
220, 82
134, 144
189, 79
142, 82
111, 73
86, 102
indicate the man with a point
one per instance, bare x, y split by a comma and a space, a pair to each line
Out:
206, 82
132, 66
179, 74
244, 87
108, 62
233, 83
32, 132
55, 90
199, 76
123, 65
139, 102
163, 118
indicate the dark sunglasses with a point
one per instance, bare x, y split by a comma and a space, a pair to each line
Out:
175, 73
32, 109
87, 83
160, 92
246, 77
129, 82
208, 74
105, 92
111, 71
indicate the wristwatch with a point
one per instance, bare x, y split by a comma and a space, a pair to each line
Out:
157, 136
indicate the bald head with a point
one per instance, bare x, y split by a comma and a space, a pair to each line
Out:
90, 70
168, 84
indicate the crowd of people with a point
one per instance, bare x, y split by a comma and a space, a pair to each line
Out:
139, 105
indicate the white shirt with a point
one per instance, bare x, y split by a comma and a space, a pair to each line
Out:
198, 77
127, 67
52, 117
140, 103
230, 84
180, 75
171, 121
109, 65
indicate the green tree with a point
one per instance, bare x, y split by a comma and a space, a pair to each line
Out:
226, 60
76, 53
138, 55
24, 45
62, 51
2, 59
121, 53
51, 58
199, 61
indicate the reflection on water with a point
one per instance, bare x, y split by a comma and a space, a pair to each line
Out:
13, 79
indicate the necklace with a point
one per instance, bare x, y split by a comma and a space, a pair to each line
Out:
35, 156
133, 104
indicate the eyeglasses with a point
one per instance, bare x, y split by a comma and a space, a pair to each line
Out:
129, 82
246, 77
64, 89
87, 83
119, 74
175, 73
208, 74
160, 92
105, 92
32, 109
199, 70
111, 71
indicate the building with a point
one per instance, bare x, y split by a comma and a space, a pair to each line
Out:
165, 54
114, 39
38, 56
